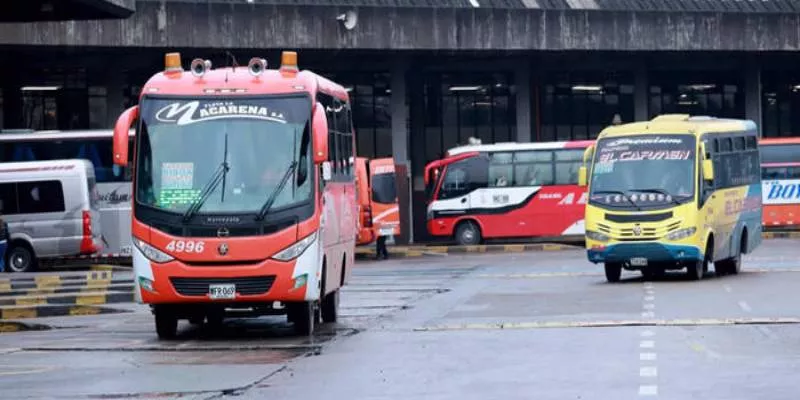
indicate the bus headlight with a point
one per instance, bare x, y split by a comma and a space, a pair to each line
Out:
600, 237
296, 249
152, 253
681, 233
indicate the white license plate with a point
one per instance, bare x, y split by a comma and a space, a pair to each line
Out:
227, 291
386, 231
126, 250
638, 262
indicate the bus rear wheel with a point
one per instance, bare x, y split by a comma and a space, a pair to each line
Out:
468, 233
613, 272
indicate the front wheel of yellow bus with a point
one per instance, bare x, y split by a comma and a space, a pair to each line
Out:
613, 271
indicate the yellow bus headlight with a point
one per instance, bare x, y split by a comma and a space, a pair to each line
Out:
681, 233
600, 237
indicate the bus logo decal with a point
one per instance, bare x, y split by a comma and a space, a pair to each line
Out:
223, 232
637, 230
222, 249
192, 112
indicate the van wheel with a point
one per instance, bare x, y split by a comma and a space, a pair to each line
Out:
613, 272
166, 324
20, 258
696, 270
468, 233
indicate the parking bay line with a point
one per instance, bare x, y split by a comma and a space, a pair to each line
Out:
617, 323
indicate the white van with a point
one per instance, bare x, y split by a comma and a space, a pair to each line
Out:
51, 211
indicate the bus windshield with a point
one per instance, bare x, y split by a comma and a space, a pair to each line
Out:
645, 170
239, 150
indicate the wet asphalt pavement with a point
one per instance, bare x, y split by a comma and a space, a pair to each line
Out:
538, 325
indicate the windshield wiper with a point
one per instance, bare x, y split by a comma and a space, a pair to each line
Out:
219, 175
274, 195
621, 194
659, 191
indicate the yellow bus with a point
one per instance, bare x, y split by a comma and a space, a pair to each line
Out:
674, 192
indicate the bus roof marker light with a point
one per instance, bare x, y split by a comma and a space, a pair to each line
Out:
256, 66
172, 62
200, 67
289, 61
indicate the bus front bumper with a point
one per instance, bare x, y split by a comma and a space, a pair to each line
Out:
651, 251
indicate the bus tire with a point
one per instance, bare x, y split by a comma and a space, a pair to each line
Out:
20, 257
304, 317
613, 271
468, 233
330, 307
696, 270
166, 323
733, 265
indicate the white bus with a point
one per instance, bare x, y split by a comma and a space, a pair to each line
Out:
113, 182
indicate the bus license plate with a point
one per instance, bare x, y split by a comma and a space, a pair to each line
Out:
227, 291
638, 262
386, 231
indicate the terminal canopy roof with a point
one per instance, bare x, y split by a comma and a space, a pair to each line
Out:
64, 10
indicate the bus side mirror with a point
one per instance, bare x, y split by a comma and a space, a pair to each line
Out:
326, 171
708, 170
121, 131
319, 128
582, 176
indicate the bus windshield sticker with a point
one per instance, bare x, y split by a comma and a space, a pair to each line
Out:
177, 175
175, 197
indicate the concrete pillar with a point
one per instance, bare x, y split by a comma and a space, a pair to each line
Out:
752, 93
400, 150
115, 99
641, 90
416, 105
522, 80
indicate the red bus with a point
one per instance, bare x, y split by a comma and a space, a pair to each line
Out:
243, 196
377, 199
507, 190
780, 179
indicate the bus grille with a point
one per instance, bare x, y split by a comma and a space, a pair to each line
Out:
251, 285
647, 233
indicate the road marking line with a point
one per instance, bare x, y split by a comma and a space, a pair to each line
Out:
648, 372
648, 390
647, 356
649, 298
648, 333
648, 314
727, 288
647, 344
744, 306
649, 306
648, 285
609, 323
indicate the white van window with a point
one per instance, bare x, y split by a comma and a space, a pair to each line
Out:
31, 197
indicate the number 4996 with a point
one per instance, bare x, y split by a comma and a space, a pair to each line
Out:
186, 246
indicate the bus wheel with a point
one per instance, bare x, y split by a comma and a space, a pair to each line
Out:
696, 270
304, 316
330, 307
20, 258
166, 323
468, 233
613, 272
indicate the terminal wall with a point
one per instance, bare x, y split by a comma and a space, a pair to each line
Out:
227, 25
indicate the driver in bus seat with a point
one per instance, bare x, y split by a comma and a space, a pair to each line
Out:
501, 181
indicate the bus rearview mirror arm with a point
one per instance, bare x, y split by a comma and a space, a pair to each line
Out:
582, 179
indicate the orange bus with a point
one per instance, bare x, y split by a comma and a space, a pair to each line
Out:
385, 206
780, 177
379, 213
243, 196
